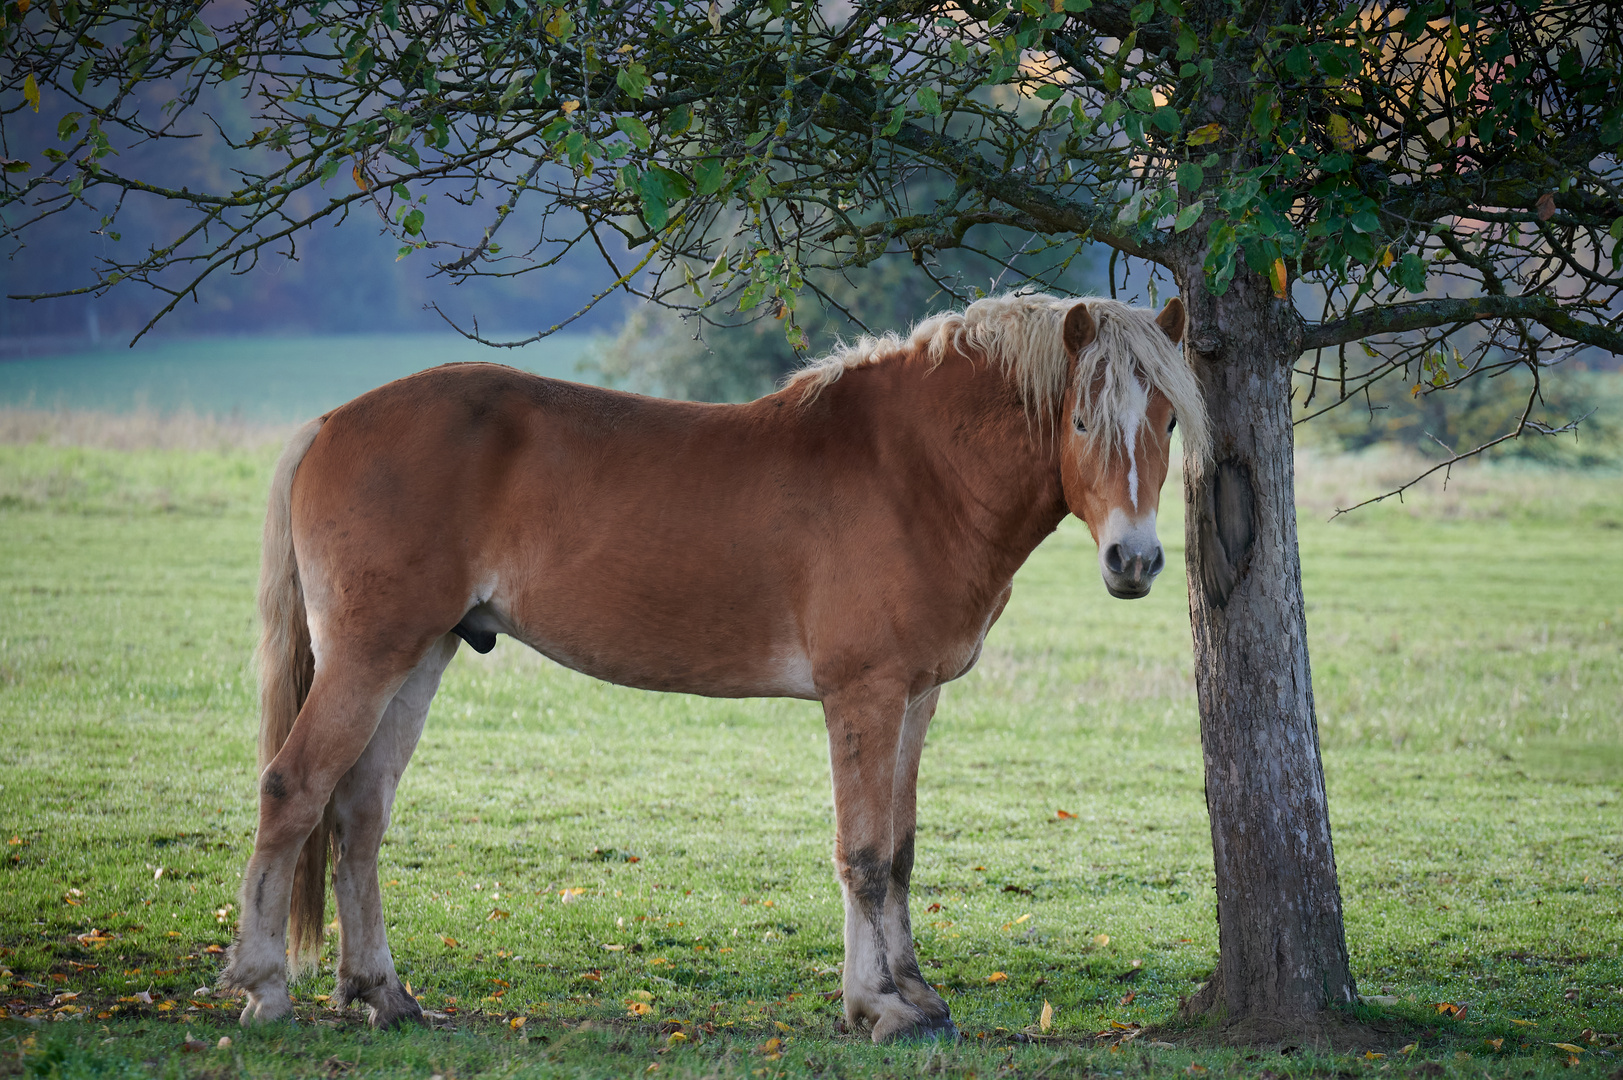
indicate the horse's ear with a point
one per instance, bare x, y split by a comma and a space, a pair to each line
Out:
1080, 329
1171, 320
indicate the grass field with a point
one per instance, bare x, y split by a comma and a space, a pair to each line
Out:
567, 855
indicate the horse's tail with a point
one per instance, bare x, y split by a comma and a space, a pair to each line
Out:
286, 668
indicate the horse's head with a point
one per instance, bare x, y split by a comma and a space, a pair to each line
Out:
1130, 388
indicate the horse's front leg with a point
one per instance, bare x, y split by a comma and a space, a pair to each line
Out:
865, 730
904, 965
361, 806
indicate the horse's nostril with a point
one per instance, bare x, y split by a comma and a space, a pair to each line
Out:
1158, 562
1113, 559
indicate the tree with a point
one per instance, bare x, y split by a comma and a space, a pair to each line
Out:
1437, 184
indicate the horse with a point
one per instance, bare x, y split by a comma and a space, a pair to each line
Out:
849, 539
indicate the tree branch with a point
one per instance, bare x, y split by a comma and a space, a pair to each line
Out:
1421, 314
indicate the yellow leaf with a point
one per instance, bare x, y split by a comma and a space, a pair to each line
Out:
517, 1022
996, 977
450, 942
1387, 258
1022, 918
1046, 1020
1341, 132
770, 1046
642, 995
1370, 1055
360, 177
677, 1037
1101, 941
1524, 1023
1495, 1043
638, 1008
1278, 278
1203, 135
1410, 1048
31, 91
614, 948
1568, 1047
569, 106
497, 913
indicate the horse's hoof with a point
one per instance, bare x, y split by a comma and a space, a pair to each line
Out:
916, 1028
397, 1008
267, 1010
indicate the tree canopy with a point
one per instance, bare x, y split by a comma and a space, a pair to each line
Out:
1439, 182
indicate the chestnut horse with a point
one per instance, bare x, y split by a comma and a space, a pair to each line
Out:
849, 539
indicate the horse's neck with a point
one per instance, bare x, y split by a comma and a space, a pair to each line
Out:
985, 467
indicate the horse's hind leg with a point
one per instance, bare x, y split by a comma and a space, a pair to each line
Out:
361, 805
334, 727
904, 965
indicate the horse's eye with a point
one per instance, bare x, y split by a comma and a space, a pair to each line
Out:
1172, 424
1077, 420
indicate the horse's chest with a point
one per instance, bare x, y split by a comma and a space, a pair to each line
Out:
958, 656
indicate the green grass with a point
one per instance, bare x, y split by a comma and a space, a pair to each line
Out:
1467, 658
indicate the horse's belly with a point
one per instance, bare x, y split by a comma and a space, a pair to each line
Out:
702, 657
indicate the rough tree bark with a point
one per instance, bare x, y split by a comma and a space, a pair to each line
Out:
1283, 956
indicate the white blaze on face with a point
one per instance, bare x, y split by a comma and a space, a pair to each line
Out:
1137, 404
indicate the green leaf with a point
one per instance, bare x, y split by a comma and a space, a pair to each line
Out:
709, 175
636, 129
1298, 62
413, 223
67, 125
894, 124
1366, 221
930, 102
1166, 118
1411, 272
81, 75
960, 54
405, 153
1049, 91
541, 86
1189, 215
1076, 7
759, 185
390, 14
656, 208
1191, 176
1142, 13
1616, 231
633, 79
751, 295
678, 120
1262, 114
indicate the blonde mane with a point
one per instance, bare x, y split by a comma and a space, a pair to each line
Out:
1022, 334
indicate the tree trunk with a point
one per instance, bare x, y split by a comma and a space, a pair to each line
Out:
1282, 950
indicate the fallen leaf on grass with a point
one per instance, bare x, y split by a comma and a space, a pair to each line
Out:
497, 913
1449, 1008
193, 1046
1568, 1047
1119, 1026
1409, 1049
771, 1049
614, 948
1370, 1055
1065, 814
638, 1008
676, 1038
1127, 998
1046, 1020
1494, 1043
933, 908
1101, 941
996, 977
1523, 1023
592, 976
1195, 1069
1160, 1046
450, 942
517, 1022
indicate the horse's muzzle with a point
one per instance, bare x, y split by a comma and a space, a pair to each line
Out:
1129, 569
